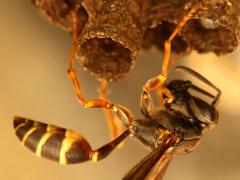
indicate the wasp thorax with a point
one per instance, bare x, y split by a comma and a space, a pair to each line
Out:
148, 132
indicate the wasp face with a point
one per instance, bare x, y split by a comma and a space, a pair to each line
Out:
194, 109
177, 87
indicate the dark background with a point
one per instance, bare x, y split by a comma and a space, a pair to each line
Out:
34, 84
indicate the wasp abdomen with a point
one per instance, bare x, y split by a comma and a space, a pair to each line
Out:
52, 142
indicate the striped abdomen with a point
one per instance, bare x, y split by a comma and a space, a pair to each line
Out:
52, 142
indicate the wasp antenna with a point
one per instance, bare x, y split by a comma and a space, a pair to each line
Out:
202, 91
197, 75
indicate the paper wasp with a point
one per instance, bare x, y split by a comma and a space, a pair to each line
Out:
175, 128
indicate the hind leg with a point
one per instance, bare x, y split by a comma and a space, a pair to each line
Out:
115, 126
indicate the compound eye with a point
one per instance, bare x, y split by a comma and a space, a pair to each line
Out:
188, 84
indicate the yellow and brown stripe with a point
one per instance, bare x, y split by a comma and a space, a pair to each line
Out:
52, 142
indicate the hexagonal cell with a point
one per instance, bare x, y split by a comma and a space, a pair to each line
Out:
58, 12
155, 37
105, 58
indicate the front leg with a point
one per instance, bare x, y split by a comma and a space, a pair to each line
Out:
121, 111
146, 102
159, 81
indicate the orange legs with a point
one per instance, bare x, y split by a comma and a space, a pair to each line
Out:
158, 82
114, 123
102, 102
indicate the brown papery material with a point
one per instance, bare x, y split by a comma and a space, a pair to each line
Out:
215, 28
58, 12
111, 32
110, 40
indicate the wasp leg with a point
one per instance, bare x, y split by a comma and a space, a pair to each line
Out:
114, 124
146, 104
160, 80
58, 144
93, 103
108, 114
71, 72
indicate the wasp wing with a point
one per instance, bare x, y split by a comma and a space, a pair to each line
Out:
159, 169
153, 166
